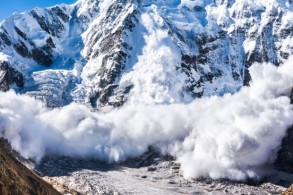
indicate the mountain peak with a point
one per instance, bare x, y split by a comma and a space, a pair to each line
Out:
112, 52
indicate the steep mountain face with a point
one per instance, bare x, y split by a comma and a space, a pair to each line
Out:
112, 52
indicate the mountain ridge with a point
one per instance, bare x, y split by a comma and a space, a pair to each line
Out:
96, 49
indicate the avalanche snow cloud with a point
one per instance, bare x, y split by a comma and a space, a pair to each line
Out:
218, 137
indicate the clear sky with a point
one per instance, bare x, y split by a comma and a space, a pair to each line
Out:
7, 7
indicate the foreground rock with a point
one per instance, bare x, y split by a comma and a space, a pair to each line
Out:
289, 191
284, 161
15, 178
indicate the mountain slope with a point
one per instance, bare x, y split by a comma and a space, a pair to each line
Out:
109, 52
15, 178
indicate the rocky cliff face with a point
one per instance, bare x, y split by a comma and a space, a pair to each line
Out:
285, 155
109, 52
9, 76
15, 178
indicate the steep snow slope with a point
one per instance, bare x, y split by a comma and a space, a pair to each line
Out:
108, 52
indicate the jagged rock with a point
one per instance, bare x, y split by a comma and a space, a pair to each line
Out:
15, 178
43, 55
284, 160
8, 76
289, 191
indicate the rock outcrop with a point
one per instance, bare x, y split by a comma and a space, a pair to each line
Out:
15, 178
9, 76
284, 160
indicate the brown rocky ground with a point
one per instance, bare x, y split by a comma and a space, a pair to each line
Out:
289, 191
15, 178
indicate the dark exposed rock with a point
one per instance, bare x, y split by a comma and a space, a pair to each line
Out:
41, 20
114, 49
8, 76
285, 155
20, 33
284, 55
26, 47
59, 12
55, 27
5, 38
284, 161
21, 49
42, 56
262, 52
151, 169
50, 43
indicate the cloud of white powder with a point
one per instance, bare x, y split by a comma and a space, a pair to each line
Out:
217, 137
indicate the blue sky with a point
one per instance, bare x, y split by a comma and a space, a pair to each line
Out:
7, 7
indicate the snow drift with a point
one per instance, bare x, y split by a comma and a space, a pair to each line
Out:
218, 137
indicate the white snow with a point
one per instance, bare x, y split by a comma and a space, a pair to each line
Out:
189, 18
3, 57
154, 76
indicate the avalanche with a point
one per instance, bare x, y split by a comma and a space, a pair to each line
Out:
220, 137
170, 74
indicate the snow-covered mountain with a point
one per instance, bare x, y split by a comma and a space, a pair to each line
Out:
112, 52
